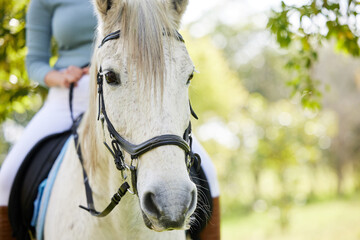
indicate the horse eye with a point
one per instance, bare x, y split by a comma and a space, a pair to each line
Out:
112, 78
190, 77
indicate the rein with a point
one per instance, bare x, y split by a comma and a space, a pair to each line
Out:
120, 144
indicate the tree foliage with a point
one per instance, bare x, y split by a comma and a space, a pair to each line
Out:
305, 28
276, 137
215, 89
17, 93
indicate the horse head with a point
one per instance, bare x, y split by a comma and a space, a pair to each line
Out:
146, 71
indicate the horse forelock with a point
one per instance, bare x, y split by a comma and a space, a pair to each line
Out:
147, 32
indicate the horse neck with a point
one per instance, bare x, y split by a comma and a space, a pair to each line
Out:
105, 179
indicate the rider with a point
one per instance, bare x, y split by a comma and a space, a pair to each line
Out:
46, 20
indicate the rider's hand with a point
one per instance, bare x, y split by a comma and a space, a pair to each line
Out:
85, 70
64, 78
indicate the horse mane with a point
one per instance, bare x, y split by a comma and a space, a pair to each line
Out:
147, 29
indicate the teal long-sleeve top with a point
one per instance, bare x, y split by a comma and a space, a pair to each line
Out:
71, 23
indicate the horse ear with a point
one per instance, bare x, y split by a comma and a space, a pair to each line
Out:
103, 6
178, 8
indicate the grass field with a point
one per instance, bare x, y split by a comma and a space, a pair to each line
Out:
332, 220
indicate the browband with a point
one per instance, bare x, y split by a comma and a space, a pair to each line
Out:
111, 36
116, 35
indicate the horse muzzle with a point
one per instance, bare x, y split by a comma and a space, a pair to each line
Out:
165, 210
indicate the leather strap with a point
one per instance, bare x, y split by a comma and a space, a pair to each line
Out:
114, 201
116, 35
113, 35
88, 191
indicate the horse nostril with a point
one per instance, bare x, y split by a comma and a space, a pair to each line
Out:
193, 201
151, 205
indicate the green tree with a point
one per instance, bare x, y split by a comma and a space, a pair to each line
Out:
305, 28
17, 93
216, 89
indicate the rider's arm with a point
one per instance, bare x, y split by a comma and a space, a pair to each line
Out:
38, 40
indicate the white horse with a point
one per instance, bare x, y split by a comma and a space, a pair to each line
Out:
146, 71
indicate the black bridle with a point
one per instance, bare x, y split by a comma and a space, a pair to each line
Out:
120, 144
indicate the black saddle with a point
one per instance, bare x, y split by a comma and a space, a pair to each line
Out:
36, 167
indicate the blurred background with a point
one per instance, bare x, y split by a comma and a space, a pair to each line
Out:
277, 93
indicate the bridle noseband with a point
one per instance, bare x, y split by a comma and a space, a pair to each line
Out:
120, 144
